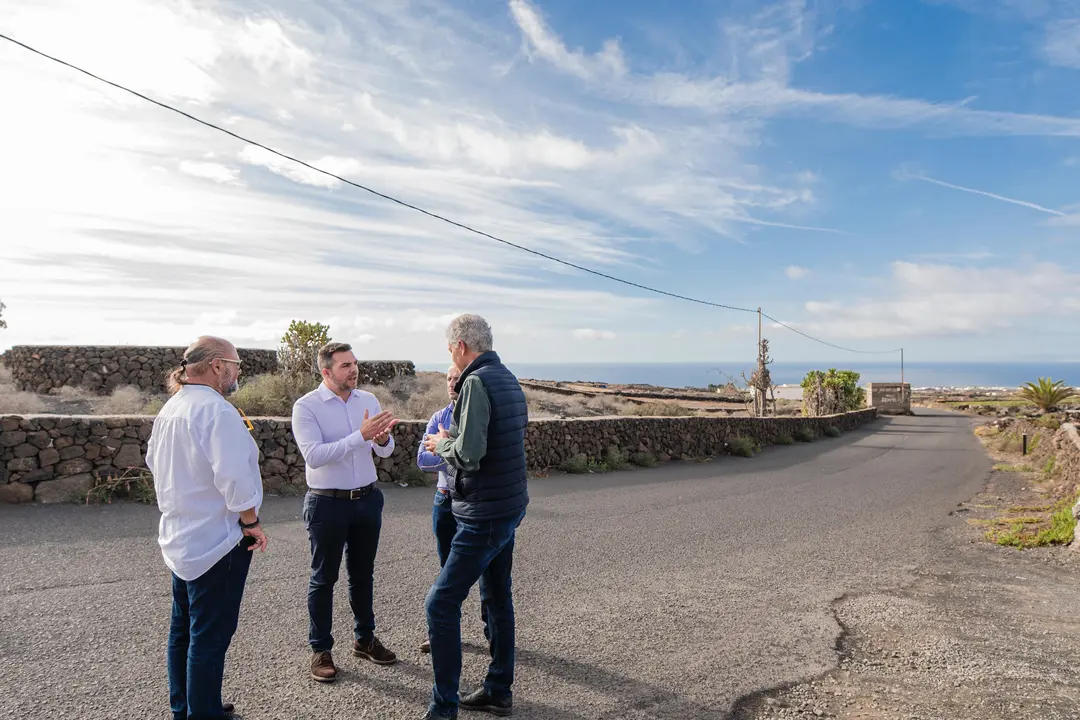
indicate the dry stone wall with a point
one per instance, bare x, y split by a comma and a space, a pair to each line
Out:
101, 368
48, 458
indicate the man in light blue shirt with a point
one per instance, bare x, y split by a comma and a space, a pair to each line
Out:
337, 428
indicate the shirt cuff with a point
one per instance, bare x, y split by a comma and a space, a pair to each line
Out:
356, 440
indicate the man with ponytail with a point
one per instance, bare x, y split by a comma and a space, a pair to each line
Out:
206, 473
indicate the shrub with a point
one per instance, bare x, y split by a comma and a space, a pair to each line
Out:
783, 439
643, 459
740, 446
833, 431
832, 392
805, 434
298, 354
272, 394
576, 464
616, 459
1046, 394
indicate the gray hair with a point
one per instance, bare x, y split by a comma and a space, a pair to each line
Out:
472, 330
197, 359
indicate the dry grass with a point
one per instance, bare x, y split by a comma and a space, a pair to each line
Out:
16, 402
273, 395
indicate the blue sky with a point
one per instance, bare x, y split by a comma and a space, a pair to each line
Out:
875, 174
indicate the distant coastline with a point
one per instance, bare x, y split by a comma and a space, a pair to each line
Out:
920, 375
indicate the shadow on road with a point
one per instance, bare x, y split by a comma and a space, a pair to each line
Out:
631, 695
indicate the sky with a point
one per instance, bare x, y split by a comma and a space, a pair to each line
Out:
875, 174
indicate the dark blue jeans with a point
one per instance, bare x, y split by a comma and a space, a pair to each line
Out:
444, 524
335, 527
484, 551
205, 612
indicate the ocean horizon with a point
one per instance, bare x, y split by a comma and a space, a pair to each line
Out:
700, 375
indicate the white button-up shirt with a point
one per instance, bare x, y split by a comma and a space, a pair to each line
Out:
206, 472
327, 431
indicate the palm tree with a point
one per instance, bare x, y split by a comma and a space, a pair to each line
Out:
1046, 394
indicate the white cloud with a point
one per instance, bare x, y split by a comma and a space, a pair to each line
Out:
590, 334
780, 37
1062, 43
795, 272
940, 300
210, 171
298, 173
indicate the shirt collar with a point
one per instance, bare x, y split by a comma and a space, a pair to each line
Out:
326, 393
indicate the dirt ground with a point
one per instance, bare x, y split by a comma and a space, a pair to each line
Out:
985, 632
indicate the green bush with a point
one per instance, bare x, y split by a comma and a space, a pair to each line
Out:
740, 446
833, 431
272, 394
832, 392
616, 459
643, 459
805, 434
783, 439
576, 464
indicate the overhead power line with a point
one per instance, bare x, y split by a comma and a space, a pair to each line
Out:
418, 209
825, 342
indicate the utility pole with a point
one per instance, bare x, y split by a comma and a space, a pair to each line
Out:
759, 397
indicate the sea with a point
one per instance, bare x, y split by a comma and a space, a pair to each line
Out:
920, 375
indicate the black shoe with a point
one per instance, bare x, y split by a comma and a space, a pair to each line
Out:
480, 701
228, 709
432, 715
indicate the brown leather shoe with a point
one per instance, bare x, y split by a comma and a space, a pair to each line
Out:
374, 651
322, 667
425, 647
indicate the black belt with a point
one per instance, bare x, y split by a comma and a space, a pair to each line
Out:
345, 494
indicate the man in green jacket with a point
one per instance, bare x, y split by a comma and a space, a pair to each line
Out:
489, 495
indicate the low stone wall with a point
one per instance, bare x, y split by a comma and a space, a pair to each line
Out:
100, 368
1066, 444
380, 372
56, 458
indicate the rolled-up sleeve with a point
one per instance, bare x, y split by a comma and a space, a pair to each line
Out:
465, 450
309, 438
234, 457
428, 461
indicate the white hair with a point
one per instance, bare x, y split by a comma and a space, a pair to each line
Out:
472, 330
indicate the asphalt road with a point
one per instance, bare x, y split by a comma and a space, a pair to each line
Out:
663, 593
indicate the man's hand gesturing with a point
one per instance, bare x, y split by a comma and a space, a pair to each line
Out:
431, 440
378, 427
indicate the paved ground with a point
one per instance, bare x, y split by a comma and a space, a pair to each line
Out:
984, 632
663, 593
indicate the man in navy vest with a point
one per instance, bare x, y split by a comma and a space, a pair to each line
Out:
489, 493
